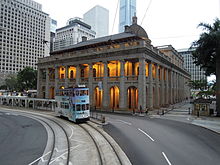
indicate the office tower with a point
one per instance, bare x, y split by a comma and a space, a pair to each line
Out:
75, 31
197, 73
126, 12
98, 19
24, 30
53, 27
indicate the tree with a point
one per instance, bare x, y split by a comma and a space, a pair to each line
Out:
207, 54
27, 79
11, 83
198, 84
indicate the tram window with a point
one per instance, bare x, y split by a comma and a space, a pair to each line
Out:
83, 107
78, 107
83, 92
66, 106
77, 93
73, 107
87, 106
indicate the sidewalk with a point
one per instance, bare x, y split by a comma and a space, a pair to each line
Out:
177, 112
180, 112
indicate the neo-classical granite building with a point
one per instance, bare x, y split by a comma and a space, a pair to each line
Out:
122, 71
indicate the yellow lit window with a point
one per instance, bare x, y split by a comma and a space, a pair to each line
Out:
147, 70
72, 72
114, 68
62, 72
153, 71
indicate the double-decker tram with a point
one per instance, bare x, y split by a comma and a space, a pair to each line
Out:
73, 103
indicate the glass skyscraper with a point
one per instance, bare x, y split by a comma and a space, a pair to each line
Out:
127, 11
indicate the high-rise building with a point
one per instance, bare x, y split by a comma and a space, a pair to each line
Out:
53, 27
25, 29
75, 31
98, 19
127, 11
197, 73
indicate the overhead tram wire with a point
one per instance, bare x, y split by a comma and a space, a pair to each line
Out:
146, 12
115, 16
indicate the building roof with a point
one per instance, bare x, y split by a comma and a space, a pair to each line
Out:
98, 41
74, 23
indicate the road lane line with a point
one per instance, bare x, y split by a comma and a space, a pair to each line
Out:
125, 122
146, 134
164, 155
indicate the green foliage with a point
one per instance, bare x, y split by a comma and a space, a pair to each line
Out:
3, 87
198, 84
208, 47
11, 83
27, 78
207, 54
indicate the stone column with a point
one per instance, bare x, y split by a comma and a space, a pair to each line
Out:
66, 77
39, 80
56, 77
47, 92
142, 84
156, 102
77, 75
122, 85
150, 95
162, 87
90, 84
177, 87
167, 87
174, 85
171, 87
105, 103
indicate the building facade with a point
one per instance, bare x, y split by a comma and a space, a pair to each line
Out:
126, 12
53, 27
123, 71
197, 73
75, 31
22, 41
98, 19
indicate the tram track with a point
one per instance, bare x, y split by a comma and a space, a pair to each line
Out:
59, 149
54, 148
55, 132
108, 154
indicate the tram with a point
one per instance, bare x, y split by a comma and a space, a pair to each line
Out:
73, 103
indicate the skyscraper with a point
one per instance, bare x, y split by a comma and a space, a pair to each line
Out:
197, 73
26, 29
127, 11
75, 31
98, 19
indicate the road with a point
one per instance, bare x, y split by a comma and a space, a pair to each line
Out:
158, 141
22, 139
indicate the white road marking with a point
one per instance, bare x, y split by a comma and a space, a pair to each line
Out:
42, 159
125, 122
62, 155
164, 155
146, 134
71, 128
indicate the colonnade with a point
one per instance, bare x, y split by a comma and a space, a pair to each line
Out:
157, 85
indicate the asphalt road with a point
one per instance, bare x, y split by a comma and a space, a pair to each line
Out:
22, 139
156, 141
